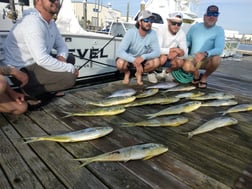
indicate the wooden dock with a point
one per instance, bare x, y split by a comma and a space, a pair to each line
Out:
218, 159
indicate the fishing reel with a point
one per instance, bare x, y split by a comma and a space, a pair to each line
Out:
11, 14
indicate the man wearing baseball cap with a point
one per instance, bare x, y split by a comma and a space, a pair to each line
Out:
172, 42
139, 48
206, 42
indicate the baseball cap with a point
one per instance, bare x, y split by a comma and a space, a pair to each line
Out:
175, 16
212, 8
144, 14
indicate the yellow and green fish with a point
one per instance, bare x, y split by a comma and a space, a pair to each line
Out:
213, 124
147, 93
177, 109
239, 108
172, 121
140, 151
101, 111
112, 101
74, 136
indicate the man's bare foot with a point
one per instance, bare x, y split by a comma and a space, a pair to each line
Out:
139, 78
126, 78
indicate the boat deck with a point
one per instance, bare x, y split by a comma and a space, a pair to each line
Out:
215, 160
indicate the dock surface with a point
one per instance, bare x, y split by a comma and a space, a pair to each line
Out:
219, 159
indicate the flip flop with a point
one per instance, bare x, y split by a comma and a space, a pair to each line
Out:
202, 83
196, 81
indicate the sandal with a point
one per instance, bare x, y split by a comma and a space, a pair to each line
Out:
197, 81
202, 85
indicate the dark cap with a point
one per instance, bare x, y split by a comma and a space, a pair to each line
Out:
212, 8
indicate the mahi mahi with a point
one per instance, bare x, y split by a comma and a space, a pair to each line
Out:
113, 101
239, 108
103, 111
211, 96
222, 102
177, 109
154, 100
147, 93
172, 121
213, 124
181, 88
123, 92
140, 151
164, 85
190, 94
75, 136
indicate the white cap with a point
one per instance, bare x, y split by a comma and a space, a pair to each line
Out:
175, 16
144, 14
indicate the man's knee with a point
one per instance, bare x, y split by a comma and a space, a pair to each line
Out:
3, 84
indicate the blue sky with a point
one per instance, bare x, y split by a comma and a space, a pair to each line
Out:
235, 15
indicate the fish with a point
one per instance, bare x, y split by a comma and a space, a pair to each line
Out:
181, 88
190, 94
103, 111
163, 85
211, 96
112, 101
159, 122
213, 124
177, 109
135, 152
150, 101
239, 108
75, 136
147, 93
222, 102
123, 92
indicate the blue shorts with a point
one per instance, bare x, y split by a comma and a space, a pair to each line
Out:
167, 64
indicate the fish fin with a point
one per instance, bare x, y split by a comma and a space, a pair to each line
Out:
68, 114
150, 116
30, 139
148, 157
127, 124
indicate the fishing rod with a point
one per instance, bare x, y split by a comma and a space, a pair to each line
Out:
88, 60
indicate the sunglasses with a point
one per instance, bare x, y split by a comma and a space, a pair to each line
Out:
148, 20
53, 1
214, 14
176, 23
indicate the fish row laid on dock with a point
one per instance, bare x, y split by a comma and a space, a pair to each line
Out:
112, 101
140, 151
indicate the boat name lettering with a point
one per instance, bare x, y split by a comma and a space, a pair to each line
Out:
92, 53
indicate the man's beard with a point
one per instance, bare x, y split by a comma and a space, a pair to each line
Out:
145, 29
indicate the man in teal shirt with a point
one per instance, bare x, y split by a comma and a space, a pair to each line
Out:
205, 42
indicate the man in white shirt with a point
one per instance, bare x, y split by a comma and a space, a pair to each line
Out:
29, 45
172, 42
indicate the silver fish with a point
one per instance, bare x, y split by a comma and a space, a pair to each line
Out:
113, 101
172, 121
104, 111
213, 124
177, 109
123, 92
222, 102
190, 94
147, 93
75, 136
164, 85
181, 88
154, 100
141, 151
211, 96
239, 108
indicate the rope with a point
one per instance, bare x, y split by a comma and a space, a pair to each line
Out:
182, 76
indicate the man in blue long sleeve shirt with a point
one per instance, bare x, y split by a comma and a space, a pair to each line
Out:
206, 43
139, 47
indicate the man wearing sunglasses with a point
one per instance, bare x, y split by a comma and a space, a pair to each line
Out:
139, 48
206, 42
172, 41
32, 40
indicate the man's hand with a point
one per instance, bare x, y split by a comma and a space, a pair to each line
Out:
18, 97
137, 63
19, 75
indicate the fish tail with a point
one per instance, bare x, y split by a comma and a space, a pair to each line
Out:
150, 116
68, 114
30, 140
190, 134
127, 125
85, 161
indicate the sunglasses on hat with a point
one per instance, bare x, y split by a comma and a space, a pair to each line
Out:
148, 20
